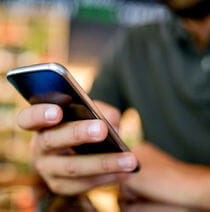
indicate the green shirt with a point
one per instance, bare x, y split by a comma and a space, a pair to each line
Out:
158, 70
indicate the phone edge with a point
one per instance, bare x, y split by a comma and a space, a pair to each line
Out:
61, 70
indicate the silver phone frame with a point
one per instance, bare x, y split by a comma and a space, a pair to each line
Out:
61, 70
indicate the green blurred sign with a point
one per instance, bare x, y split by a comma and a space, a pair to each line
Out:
97, 13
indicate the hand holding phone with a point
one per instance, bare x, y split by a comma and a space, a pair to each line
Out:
72, 113
52, 83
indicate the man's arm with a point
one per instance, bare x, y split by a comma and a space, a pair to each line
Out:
64, 172
164, 178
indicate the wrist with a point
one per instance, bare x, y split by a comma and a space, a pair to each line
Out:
196, 179
204, 189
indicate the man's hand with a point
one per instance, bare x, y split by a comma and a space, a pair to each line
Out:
64, 172
166, 179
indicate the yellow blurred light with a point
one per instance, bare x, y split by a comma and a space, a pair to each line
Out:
84, 75
104, 200
131, 128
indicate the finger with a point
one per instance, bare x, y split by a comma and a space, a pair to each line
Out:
66, 186
40, 116
73, 133
34, 149
112, 114
80, 166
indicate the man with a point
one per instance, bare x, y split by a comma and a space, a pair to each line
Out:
162, 71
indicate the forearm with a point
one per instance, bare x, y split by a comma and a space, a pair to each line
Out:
199, 178
167, 179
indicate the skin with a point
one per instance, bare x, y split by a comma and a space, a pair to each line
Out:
167, 180
200, 31
71, 175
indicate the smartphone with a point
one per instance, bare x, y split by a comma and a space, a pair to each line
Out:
52, 83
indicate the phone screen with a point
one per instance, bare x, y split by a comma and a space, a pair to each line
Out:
47, 86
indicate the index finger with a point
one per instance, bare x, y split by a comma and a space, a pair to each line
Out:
40, 116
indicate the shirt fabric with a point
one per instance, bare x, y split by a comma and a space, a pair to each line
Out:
158, 70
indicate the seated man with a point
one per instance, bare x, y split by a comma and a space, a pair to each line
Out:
163, 71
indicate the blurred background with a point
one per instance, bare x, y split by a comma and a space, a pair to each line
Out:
76, 34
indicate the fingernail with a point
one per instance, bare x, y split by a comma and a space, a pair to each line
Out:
127, 163
51, 113
94, 129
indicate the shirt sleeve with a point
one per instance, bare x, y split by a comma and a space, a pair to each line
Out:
107, 85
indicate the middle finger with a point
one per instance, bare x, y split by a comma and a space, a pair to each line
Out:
87, 165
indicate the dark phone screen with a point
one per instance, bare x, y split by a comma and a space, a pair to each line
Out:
50, 87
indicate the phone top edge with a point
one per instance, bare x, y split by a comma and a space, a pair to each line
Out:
38, 67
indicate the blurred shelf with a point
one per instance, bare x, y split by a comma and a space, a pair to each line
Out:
20, 179
15, 130
9, 105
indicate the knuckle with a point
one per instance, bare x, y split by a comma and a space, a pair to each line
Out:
105, 165
46, 141
76, 132
70, 168
22, 119
34, 114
